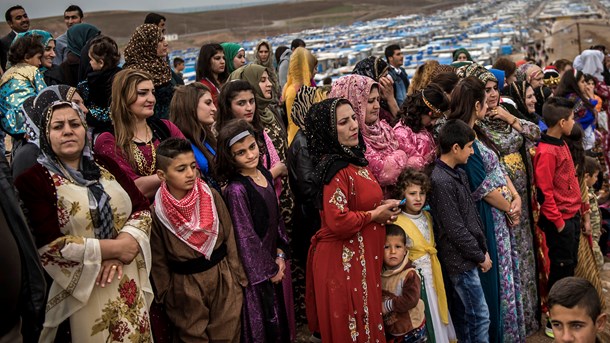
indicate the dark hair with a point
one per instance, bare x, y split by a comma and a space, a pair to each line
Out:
228, 92
7, 14
297, 42
574, 143
571, 291
389, 51
73, 8
278, 52
177, 61
555, 109
454, 132
414, 107
154, 18
169, 149
226, 167
569, 84
395, 230
589, 77
25, 47
591, 165
204, 69
408, 177
446, 80
464, 98
561, 64
507, 65
106, 49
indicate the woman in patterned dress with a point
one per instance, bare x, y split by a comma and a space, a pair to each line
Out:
91, 227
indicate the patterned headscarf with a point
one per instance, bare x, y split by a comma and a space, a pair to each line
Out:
252, 73
46, 37
87, 175
530, 71
328, 155
356, 89
300, 69
231, 50
141, 54
305, 98
372, 67
34, 106
442, 68
516, 91
476, 70
78, 35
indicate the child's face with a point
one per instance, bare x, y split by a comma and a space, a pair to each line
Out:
95, 64
246, 153
574, 325
394, 251
181, 174
591, 179
416, 198
567, 125
462, 154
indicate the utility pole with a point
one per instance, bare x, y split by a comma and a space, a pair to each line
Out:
578, 37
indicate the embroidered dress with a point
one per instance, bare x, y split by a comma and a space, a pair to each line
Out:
17, 84
419, 146
345, 261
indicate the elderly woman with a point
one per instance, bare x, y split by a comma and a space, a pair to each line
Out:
147, 51
346, 254
92, 230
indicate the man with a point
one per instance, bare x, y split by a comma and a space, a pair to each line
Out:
401, 81
19, 22
177, 72
157, 19
285, 61
72, 15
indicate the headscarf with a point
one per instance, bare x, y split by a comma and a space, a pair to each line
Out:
516, 91
530, 71
442, 68
231, 50
252, 74
87, 175
34, 106
499, 74
591, 62
306, 97
141, 54
372, 67
302, 62
269, 65
457, 52
356, 89
46, 36
476, 70
78, 36
328, 155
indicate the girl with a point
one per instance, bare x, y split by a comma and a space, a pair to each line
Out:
192, 110
211, 68
259, 233
235, 56
413, 185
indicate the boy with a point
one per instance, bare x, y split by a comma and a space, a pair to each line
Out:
196, 269
576, 311
459, 232
403, 310
592, 169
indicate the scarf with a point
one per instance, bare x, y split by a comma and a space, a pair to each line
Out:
372, 67
78, 36
192, 219
356, 89
516, 91
100, 86
34, 106
457, 52
141, 54
269, 65
590, 61
476, 70
88, 174
252, 73
231, 50
305, 98
328, 155
300, 69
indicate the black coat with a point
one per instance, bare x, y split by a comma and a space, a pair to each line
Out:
5, 45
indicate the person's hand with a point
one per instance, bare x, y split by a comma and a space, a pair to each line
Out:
279, 169
515, 211
280, 272
502, 114
109, 269
128, 247
386, 87
587, 227
485, 265
386, 213
559, 229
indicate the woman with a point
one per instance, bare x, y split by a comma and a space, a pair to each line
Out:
147, 51
513, 137
301, 71
499, 203
377, 69
192, 110
98, 267
382, 149
346, 254
535, 77
519, 99
46, 61
461, 55
211, 68
235, 56
264, 57
78, 37
136, 132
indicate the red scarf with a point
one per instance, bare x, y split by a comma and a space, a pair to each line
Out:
193, 219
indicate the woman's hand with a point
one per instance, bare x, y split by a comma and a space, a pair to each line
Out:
109, 269
386, 213
502, 114
279, 169
515, 211
280, 272
128, 247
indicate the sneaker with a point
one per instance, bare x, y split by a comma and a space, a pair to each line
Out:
548, 330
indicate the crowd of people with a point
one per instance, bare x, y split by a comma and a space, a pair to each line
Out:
462, 205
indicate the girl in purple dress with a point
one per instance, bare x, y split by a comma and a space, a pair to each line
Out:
259, 233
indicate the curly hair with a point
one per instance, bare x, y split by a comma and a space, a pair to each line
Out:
415, 107
408, 177
104, 48
24, 48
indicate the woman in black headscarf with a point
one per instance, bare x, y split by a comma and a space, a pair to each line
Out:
377, 69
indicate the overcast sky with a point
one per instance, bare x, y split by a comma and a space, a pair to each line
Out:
49, 8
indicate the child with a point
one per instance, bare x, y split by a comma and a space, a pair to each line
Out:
592, 169
404, 311
413, 185
576, 311
259, 231
459, 232
196, 269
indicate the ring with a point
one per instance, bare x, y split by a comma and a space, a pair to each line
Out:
113, 266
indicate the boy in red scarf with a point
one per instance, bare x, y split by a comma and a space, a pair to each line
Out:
196, 270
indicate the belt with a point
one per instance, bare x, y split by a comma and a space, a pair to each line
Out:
198, 265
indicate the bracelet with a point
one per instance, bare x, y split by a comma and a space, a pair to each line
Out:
282, 256
514, 121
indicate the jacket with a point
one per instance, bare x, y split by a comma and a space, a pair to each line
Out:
282, 67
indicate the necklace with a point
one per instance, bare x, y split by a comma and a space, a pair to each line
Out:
256, 176
141, 162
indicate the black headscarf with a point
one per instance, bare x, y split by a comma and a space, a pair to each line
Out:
372, 67
328, 155
34, 106
516, 91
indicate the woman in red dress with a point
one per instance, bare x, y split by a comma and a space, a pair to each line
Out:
346, 255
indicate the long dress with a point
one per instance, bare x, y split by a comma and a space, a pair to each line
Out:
512, 145
345, 261
258, 254
423, 254
71, 256
501, 284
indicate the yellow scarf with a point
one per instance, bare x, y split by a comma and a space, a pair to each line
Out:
422, 247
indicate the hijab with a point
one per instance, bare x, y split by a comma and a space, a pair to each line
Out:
269, 65
252, 74
231, 50
46, 36
141, 54
476, 70
372, 67
78, 35
34, 106
516, 91
499, 74
328, 155
591, 62
87, 175
305, 98
457, 52
300, 69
